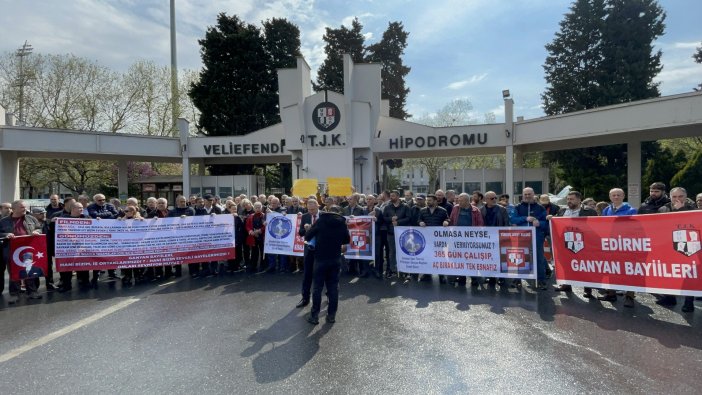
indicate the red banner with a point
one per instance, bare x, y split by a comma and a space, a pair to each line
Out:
28, 257
657, 253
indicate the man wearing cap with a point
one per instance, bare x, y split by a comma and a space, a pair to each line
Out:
420, 201
100, 209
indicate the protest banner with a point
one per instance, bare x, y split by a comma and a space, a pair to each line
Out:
282, 237
657, 253
87, 244
305, 187
28, 257
339, 186
467, 251
362, 232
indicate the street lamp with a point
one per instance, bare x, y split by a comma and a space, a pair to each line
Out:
298, 162
361, 160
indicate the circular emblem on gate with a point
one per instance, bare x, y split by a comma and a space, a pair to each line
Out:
279, 227
412, 242
326, 116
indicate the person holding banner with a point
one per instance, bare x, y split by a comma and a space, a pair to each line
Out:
380, 239
432, 215
395, 213
234, 265
208, 207
678, 202
75, 210
575, 208
308, 219
276, 260
19, 223
352, 210
618, 208
465, 214
493, 215
530, 213
159, 211
256, 230
330, 233
132, 213
181, 210
102, 210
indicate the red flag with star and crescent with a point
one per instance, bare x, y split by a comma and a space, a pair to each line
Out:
28, 257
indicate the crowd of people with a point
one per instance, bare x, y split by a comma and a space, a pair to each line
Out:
389, 209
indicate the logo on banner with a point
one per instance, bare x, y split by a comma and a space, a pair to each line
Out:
515, 258
574, 241
359, 240
686, 241
412, 242
326, 116
280, 227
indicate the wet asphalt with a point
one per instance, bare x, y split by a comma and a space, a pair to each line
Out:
242, 334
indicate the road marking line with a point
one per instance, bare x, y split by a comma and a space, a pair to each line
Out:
77, 325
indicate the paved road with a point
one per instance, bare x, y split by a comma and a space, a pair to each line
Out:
241, 334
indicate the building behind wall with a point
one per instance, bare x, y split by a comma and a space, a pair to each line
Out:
468, 180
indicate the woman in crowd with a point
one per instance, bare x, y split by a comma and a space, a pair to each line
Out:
255, 229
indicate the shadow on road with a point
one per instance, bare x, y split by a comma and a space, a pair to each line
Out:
293, 343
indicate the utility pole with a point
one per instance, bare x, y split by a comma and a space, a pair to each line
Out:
174, 74
22, 79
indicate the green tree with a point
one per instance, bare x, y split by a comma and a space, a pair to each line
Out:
282, 46
689, 176
629, 63
389, 53
602, 55
573, 64
663, 167
339, 41
237, 92
230, 93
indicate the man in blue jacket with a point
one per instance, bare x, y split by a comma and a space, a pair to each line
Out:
618, 208
530, 213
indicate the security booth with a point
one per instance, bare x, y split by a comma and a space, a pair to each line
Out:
160, 187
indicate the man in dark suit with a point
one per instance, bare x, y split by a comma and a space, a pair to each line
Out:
308, 219
494, 215
575, 208
330, 234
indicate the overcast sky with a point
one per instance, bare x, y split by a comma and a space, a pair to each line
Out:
457, 49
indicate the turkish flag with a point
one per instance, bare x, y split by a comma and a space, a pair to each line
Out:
28, 257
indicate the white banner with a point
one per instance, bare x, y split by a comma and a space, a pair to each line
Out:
467, 251
282, 236
89, 244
